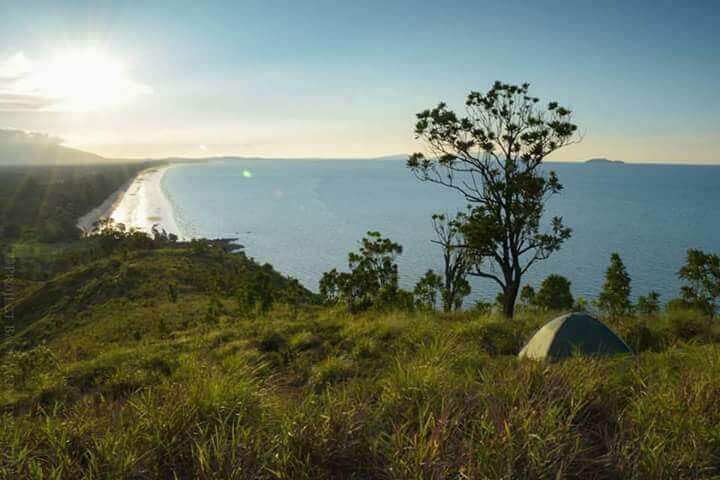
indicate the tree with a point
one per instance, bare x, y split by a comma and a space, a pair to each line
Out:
427, 290
614, 300
256, 293
457, 261
554, 293
701, 274
292, 295
493, 157
527, 295
373, 276
649, 304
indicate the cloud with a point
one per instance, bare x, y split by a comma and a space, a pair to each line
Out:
76, 81
21, 137
11, 102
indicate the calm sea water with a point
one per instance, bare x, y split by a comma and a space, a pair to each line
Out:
304, 216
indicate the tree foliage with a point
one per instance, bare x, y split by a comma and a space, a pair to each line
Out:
493, 157
649, 304
114, 236
256, 293
427, 290
372, 279
701, 274
554, 294
527, 295
614, 300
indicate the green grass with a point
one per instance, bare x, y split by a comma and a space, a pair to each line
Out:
120, 381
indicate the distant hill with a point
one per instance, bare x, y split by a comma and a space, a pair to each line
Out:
24, 148
397, 157
604, 161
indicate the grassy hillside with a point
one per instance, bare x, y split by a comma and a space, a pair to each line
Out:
150, 363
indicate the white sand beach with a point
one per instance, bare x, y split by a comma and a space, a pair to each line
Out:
139, 205
86, 222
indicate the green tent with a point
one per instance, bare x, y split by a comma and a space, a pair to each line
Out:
573, 334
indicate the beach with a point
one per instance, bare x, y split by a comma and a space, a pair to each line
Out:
140, 204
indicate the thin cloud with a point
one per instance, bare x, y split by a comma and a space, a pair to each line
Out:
21, 137
11, 102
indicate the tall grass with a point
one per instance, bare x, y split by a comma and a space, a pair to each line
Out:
384, 395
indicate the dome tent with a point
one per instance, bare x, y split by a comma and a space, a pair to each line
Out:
573, 334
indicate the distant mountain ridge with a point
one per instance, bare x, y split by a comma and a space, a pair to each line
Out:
18, 148
23, 148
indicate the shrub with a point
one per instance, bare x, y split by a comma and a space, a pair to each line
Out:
640, 337
482, 307
332, 370
304, 340
366, 347
689, 325
273, 342
502, 338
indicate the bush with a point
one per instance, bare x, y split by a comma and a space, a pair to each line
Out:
365, 348
332, 370
482, 308
689, 325
304, 340
640, 337
502, 338
273, 342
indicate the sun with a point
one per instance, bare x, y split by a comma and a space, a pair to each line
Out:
86, 80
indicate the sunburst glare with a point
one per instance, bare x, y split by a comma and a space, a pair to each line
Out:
82, 80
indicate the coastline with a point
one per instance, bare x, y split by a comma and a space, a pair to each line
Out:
140, 204
106, 208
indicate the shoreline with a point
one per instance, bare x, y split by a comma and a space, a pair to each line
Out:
108, 206
139, 204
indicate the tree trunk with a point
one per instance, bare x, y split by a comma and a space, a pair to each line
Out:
509, 297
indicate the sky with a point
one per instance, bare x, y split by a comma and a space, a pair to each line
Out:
130, 79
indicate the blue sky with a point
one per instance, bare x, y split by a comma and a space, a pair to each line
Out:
336, 79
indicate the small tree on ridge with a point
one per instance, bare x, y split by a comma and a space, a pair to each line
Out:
555, 294
372, 279
701, 274
614, 300
457, 260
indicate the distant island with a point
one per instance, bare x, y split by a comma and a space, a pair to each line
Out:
604, 161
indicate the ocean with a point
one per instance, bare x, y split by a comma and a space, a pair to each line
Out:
304, 216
